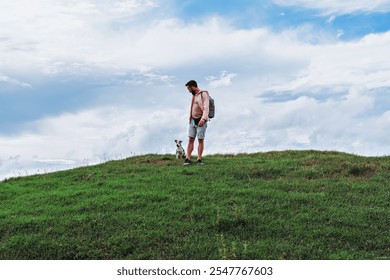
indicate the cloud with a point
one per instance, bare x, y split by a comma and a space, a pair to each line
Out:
92, 136
225, 79
335, 102
146, 76
351, 124
329, 7
94, 41
53, 37
343, 65
106, 37
9, 80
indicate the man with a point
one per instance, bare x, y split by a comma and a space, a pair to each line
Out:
199, 115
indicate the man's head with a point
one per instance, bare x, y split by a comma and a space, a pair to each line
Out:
191, 86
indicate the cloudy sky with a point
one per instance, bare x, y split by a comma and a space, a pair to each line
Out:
85, 81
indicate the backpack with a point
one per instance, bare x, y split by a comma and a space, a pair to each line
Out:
211, 107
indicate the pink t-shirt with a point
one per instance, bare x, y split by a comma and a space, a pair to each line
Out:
200, 106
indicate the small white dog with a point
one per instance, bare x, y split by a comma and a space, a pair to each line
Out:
179, 150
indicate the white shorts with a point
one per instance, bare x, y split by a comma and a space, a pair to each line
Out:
197, 131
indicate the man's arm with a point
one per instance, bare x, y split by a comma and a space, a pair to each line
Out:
205, 103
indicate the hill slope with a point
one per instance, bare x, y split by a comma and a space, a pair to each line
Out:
277, 205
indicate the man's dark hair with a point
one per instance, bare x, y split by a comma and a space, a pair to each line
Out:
192, 83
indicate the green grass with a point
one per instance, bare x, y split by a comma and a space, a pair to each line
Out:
276, 205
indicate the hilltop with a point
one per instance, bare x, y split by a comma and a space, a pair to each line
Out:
275, 205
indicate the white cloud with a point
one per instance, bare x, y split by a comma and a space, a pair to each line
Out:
331, 19
90, 137
328, 7
302, 123
343, 65
146, 76
224, 79
59, 40
64, 36
84, 38
340, 33
9, 80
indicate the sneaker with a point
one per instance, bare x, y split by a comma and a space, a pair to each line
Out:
199, 161
187, 162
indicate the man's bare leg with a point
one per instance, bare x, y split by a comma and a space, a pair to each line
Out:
200, 148
190, 147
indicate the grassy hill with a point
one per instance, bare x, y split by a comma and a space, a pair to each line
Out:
276, 205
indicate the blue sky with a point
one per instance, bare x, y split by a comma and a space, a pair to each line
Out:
90, 80
250, 14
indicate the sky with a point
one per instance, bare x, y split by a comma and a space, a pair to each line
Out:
86, 81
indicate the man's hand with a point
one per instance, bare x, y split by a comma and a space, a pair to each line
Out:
202, 122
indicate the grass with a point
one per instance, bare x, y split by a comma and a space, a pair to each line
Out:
276, 205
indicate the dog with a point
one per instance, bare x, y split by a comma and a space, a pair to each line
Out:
179, 150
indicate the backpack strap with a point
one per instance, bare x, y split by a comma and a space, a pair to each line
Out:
192, 105
201, 95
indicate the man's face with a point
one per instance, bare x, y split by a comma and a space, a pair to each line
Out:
191, 90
